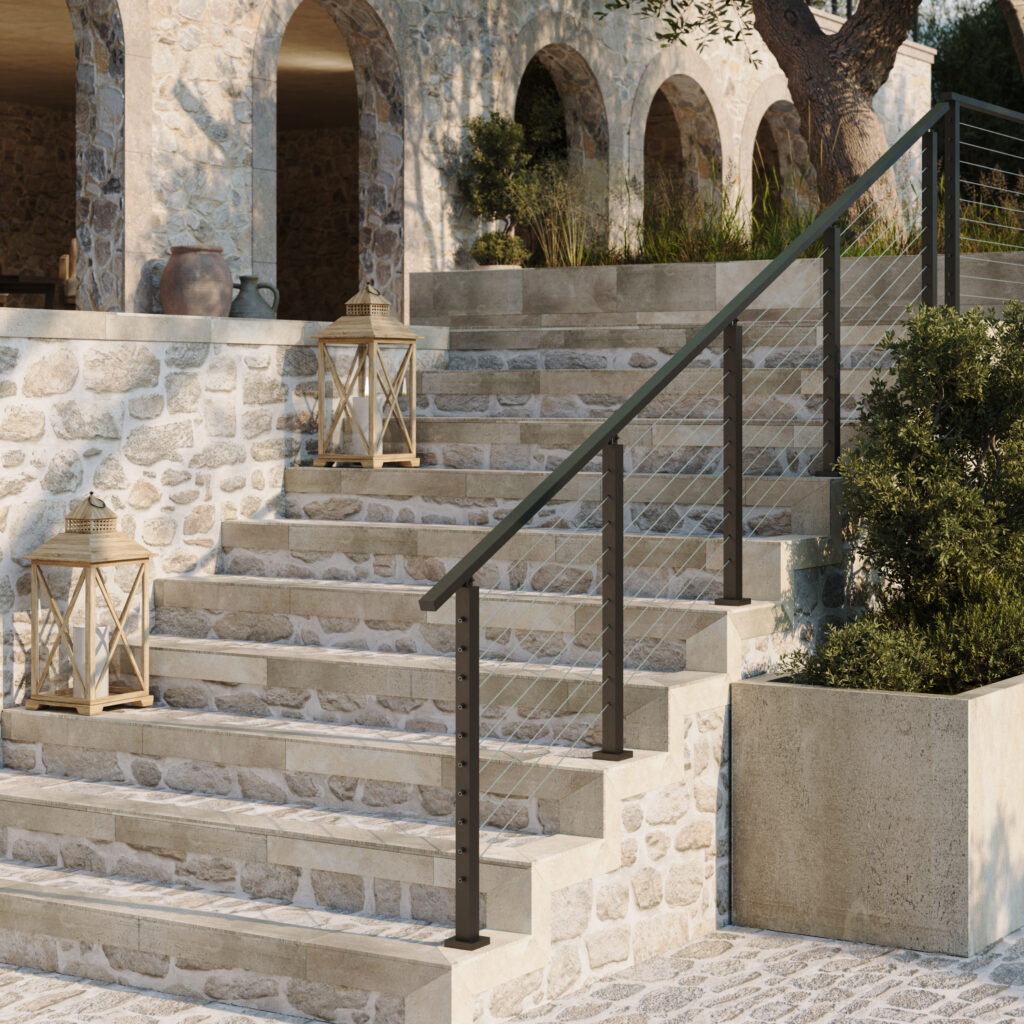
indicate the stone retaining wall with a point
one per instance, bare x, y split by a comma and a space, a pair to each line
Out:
180, 423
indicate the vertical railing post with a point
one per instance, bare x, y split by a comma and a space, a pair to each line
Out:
951, 172
467, 770
930, 218
732, 468
832, 320
613, 516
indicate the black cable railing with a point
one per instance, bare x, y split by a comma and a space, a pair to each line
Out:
874, 266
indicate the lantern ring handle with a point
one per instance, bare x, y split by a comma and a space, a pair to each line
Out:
96, 502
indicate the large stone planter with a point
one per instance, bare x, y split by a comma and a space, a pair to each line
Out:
890, 818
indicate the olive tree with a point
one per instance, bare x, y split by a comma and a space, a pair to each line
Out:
832, 78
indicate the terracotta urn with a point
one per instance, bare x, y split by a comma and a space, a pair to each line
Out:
196, 282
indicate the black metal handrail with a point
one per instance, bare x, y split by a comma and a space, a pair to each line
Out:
463, 571
604, 442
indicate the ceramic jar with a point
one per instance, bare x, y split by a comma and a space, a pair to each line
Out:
249, 302
196, 282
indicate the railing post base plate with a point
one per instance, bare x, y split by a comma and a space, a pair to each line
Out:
733, 602
477, 943
622, 755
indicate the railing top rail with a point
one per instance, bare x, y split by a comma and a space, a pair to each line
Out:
966, 103
464, 570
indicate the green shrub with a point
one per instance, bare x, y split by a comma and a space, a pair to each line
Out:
872, 653
956, 650
494, 155
934, 485
935, 480
497, 247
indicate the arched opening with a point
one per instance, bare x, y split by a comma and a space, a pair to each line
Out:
541, 112
340, 159
682, 145
62, 154
559, 103
782, 172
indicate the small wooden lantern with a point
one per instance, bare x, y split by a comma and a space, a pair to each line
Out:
372, 419
91, 544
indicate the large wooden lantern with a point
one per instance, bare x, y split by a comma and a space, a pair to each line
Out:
367, 395
74, 643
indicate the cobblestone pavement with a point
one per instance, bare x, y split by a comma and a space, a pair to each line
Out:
737, 975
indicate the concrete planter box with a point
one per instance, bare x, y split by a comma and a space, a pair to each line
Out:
890, 818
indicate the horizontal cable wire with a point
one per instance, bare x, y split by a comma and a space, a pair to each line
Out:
990, 131
645, 466
990, 149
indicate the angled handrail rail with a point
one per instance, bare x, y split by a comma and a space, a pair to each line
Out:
461, 573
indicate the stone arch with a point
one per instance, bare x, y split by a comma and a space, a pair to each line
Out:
381, 117
586, 121
683, 65
569, 53
682, 143
781, 171
772, 102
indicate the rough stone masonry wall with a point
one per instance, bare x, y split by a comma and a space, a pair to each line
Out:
177, 433
672, 885
37, 190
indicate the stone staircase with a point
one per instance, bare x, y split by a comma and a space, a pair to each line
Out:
277, 831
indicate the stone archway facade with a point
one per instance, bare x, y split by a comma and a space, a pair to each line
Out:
381, 111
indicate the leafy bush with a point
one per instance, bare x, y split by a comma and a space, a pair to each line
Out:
494, 156
935, 487
872, 653
956, 650
497, 247
935, 479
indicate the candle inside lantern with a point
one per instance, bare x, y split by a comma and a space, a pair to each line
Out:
360, 407
101, 650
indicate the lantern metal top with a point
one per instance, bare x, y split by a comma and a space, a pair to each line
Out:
90, 537
91, 515
367, 318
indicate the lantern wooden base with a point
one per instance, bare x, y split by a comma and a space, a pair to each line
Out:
366, 461
133, 698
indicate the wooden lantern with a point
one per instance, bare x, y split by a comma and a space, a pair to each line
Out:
90, 630
369, 416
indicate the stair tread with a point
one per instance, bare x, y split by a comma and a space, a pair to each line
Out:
698, 605
240, 914
411, 662
338, 735
330, 525
346, 828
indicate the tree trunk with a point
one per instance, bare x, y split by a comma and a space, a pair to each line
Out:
1013, 11
833, 80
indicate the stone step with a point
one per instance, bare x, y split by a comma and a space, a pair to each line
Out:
597, 393
561, 560
323, 964
411, 692
661, 634
642, 346
531, 788
680, 503
776, 446
327, 860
